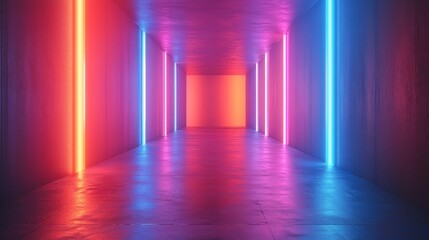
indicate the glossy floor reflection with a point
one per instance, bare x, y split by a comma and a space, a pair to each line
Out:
213, 184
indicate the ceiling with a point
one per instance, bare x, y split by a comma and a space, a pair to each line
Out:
215, 36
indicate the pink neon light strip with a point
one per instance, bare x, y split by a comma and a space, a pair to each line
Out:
284, 91
287, 88
165, 94
257, 98
266, 94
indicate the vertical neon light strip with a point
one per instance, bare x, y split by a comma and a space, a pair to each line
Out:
266, 94
79, 87
175, 96
165, 94
287, 87
143, 88
284, 90
330, 81
257, 98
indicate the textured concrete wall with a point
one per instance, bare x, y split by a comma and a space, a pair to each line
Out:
382, 91
307, 82
112, 82
181, 97
357, 87
383, 94
36, 87
251, 98
275, 91
261, 95
155, 91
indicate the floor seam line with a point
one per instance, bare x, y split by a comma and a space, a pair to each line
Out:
269, 227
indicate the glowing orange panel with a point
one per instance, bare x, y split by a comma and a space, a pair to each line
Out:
216, 100
79, 85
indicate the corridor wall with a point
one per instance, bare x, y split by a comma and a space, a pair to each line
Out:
36, 91
261, 95
250, 98
383, 94
155, 89
275, 91
307, 82
112, 81
216, 100
305, 79
381, 91
155, 92
256, 89
181, 97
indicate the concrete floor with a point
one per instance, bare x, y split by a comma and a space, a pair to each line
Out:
213, 184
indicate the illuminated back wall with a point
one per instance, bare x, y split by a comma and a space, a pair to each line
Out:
216, 100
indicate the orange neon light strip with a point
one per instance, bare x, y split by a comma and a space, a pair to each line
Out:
79, 86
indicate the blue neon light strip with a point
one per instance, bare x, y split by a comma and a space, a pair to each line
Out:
257, 98
143, 137
330, 82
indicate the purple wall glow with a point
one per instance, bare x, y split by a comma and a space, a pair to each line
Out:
275, 91
261, 95
155, 92
181, 97
307, 82
250, 98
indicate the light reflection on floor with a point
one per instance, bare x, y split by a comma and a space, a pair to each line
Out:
213, 184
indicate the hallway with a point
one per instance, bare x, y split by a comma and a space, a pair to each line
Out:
203, 183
